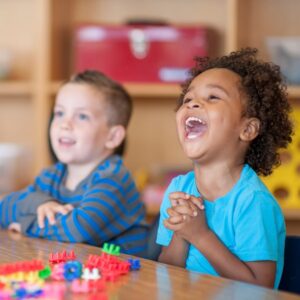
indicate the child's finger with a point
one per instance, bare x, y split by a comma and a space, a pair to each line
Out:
171, 226
41, 218
190, 205
69, 207
50, 216
186, 209
177, 219
171, 212
15, 227
176, 197
198, 201
61, 209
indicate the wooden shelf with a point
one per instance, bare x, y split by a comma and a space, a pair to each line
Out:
149, 90
142, 90
291, 213
157, 90
15, 88
53, 87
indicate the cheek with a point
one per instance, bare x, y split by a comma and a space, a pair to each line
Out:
52, 131
178, 119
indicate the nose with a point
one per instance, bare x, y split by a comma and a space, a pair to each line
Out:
66, 124
194, 104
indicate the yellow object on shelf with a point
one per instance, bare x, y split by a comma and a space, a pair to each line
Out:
141, 177
284, 182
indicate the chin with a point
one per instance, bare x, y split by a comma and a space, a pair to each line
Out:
64, 159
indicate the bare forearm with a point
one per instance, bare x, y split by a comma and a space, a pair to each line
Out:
228, 265
176, 253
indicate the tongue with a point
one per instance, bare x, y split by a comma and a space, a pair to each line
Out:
196, 127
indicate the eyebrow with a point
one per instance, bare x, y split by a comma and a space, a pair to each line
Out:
211, 85
218, 87
76, 108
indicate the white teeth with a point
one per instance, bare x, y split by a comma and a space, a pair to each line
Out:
192, 136
66, 140
191, 119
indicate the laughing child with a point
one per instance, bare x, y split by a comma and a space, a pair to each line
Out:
220, 219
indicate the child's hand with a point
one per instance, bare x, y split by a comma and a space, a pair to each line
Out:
15, 227
49, 210
187, 220
191, 203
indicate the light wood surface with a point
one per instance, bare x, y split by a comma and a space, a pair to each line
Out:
152, 281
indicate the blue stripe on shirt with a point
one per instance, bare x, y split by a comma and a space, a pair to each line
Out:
66, 229
130, 187
22, 196
112, 183
91, 222
113, 213
118, 166
104, 166
134, 210
55, 232
125, 177
68, 199
109, 195
103, 217
52, 176
43, 186
79, 227
133, 198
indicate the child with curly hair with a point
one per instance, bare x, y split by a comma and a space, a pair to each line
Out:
220, 219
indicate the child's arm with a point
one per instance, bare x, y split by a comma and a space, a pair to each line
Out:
20, 207
176, 252
101, 215
196, 232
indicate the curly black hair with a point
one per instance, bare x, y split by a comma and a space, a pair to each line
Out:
267, 101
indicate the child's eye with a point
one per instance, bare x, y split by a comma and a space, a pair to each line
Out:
186, 100
58, 114
83, 116
213, 97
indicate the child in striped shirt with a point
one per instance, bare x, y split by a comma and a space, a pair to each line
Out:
88, 196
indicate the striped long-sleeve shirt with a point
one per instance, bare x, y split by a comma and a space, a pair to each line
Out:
107, 208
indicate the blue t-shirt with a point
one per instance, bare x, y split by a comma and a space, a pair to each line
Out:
248, 221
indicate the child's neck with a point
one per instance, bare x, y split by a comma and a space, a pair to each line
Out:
78, 172
217, 180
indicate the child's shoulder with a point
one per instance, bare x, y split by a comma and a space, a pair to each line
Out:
250, 182
112, 167
183, 181
53, 169
251, 191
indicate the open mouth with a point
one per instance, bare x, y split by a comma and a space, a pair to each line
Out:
66, 141
194, 127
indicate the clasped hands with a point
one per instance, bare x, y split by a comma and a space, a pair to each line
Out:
186, 216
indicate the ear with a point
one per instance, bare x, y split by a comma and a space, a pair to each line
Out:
250, 129
115, 137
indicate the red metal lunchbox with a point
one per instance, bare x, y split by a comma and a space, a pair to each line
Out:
139, 53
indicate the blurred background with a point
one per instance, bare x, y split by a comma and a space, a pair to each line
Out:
148, 46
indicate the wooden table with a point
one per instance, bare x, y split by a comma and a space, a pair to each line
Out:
152, 281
